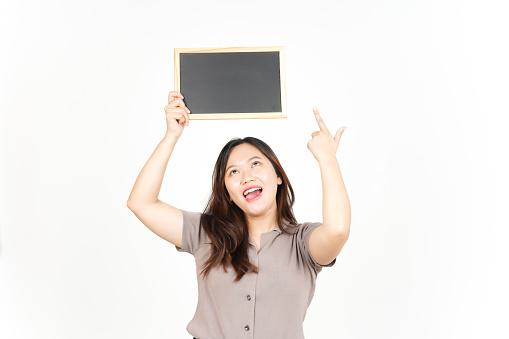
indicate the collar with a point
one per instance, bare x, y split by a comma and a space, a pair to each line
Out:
277, 230
286, 225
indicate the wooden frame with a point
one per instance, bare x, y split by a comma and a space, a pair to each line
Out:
251, 115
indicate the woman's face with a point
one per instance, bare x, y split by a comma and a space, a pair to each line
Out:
251, 181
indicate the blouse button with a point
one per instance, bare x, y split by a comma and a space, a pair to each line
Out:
246, 327
248, 297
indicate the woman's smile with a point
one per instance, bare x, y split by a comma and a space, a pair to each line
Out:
253, 193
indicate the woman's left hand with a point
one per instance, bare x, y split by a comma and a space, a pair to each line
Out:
322, 144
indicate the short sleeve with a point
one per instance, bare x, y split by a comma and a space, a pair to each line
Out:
304, 234
193, 236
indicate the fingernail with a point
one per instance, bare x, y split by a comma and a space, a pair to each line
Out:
188, 111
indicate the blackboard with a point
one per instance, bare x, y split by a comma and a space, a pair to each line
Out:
232, 83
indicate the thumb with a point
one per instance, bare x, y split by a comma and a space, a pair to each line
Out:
340, 131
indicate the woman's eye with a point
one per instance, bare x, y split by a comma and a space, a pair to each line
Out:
233, 171
256, 163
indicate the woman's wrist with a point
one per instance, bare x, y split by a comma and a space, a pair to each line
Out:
171, 138
327, 161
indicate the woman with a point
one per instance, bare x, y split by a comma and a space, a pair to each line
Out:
256, 265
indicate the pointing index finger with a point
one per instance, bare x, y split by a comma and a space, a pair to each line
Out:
320, 122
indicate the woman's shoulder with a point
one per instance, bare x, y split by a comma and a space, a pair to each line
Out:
191, 216
296, 228
193, 234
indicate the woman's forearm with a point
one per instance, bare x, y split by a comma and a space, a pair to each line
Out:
336, 204
148, 184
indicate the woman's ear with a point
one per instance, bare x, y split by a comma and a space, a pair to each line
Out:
279, 181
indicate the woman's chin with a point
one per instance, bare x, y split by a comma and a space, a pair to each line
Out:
249, 212
257, 211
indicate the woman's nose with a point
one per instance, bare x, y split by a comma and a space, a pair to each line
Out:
247, 178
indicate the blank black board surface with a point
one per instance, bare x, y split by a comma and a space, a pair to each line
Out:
232, 83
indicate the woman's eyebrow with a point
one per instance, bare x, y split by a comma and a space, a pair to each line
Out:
255, 157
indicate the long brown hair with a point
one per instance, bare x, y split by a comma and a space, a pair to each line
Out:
225, 223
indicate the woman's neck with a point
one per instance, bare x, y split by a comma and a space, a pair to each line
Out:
261, 224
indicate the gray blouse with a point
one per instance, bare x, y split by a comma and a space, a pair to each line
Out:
270, 304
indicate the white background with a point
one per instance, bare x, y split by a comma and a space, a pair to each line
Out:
421, 85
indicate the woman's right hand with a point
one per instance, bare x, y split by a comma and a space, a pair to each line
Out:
177, 114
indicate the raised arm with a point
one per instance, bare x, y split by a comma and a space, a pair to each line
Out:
164, 220
328, 240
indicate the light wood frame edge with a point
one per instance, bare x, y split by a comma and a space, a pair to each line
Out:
225, 116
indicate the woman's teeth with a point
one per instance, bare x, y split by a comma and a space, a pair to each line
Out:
251, 190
